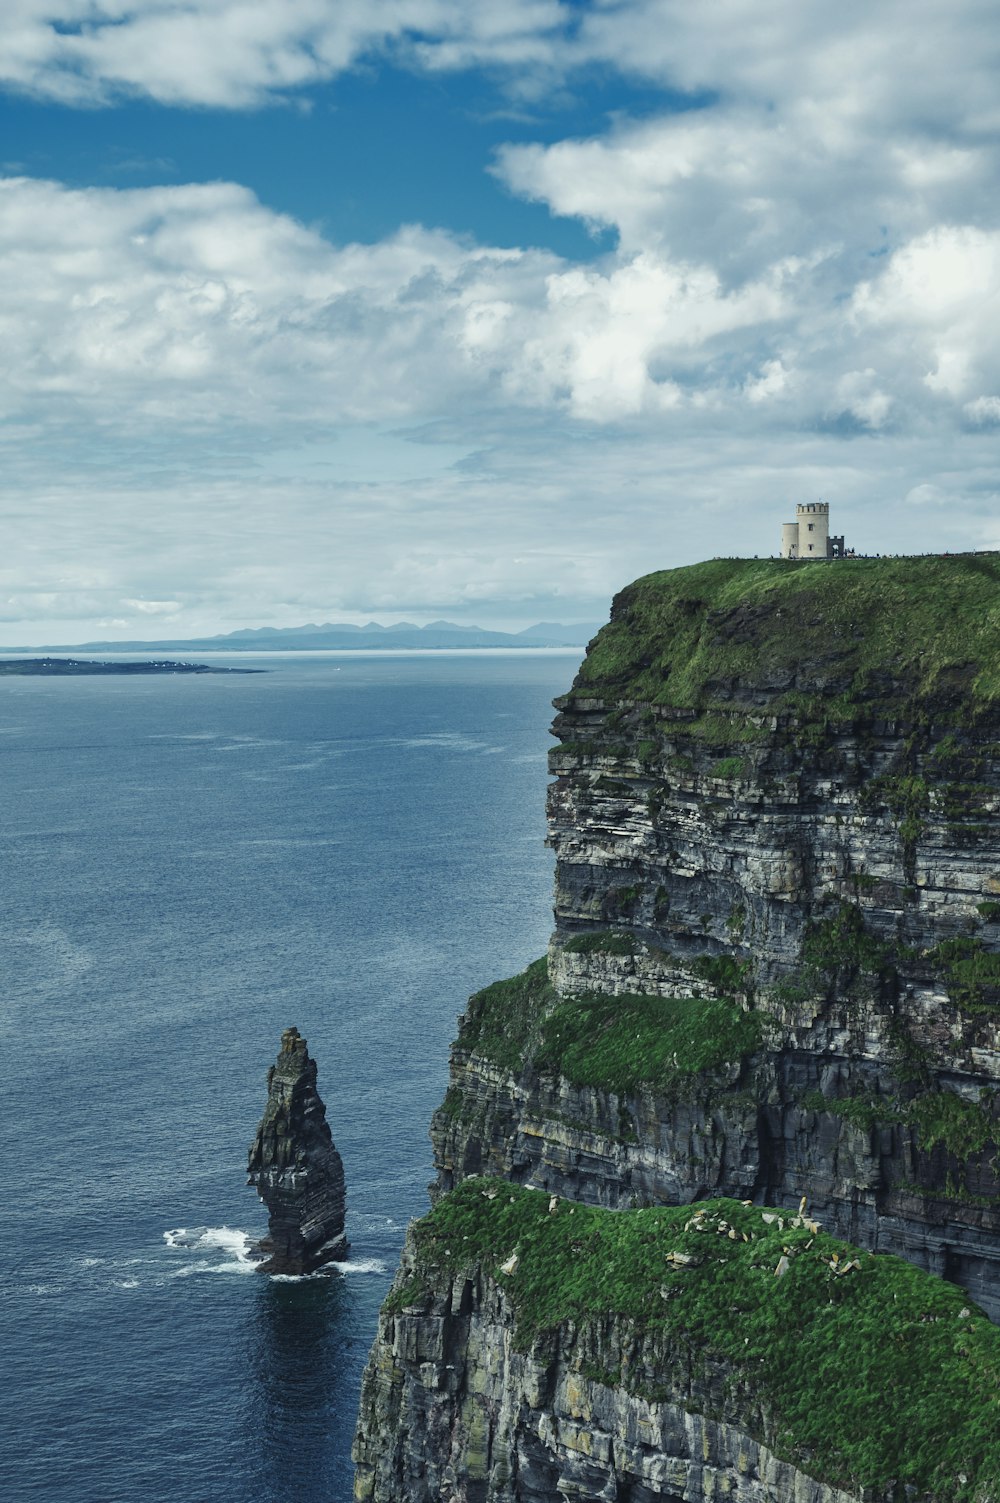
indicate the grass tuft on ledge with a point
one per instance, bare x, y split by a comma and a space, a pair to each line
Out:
624, 1042
616, 1043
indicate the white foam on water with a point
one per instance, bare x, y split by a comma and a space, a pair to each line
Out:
362, 1265
212, 1239
126, 1283
238, 1267
91, 1262
226, 1239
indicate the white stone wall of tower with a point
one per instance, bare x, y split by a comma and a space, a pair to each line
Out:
789, 539
814, 530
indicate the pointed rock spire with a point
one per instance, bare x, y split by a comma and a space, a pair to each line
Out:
296, 1168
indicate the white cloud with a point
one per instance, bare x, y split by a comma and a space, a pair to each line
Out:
858, 395
936, 306
153, 607
772, 380
237, 53
197, 305
904, 59
984, 410
802, 301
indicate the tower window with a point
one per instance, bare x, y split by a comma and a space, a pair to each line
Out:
810, 527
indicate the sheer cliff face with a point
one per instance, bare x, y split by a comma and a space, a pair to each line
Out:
452, 1412
775, 973
534, 1349
814, 834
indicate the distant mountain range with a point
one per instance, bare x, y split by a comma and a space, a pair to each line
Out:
341, 636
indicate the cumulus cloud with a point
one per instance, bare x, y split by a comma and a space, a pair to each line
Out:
801, 301
904, 58
238, 53
198, 305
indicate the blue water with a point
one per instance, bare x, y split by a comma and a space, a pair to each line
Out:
189, 865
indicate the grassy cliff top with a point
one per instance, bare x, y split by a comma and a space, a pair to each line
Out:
868, 1371
867, 636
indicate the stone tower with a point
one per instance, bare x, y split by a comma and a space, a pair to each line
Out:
809, 535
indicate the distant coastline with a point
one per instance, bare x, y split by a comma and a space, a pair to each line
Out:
77, 667
402, 636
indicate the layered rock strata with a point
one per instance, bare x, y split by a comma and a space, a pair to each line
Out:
822, 846
775, 972
296, 1168
531, 1352
453, 1413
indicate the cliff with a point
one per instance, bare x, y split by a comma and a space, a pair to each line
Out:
533, 1350
775, 972
296, 1168
775, 820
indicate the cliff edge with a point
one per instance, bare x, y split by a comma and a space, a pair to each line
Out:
775, 973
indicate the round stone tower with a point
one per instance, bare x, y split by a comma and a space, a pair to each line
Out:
814, 529
789, 539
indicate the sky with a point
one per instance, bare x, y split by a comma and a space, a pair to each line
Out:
339, 310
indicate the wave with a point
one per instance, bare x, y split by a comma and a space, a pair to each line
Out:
212, 1239
360, 1265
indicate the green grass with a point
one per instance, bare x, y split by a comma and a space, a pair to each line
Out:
884, 636
840, 946
961, 1126
620, 1043
601, 942
500, 1020
864, 1377
971, 973
614, 1043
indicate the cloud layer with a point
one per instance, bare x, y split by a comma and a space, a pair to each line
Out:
802, 299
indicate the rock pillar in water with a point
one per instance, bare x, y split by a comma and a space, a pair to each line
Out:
296, 1168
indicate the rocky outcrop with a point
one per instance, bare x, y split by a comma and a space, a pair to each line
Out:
530, 1352
453, 1413
296, 1168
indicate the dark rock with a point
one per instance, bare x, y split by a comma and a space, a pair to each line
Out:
296, 1168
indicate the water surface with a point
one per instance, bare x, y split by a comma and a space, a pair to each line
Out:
348, 844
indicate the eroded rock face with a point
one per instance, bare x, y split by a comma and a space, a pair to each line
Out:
296, 1168
878, 1091
837, 876
452, 1412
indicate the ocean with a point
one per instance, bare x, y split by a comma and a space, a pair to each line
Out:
350, 844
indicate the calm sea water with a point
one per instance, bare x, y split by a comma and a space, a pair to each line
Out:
350, 844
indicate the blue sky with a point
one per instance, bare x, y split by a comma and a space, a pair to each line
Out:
315, 310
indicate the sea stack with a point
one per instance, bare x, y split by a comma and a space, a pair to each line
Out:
296, 1168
